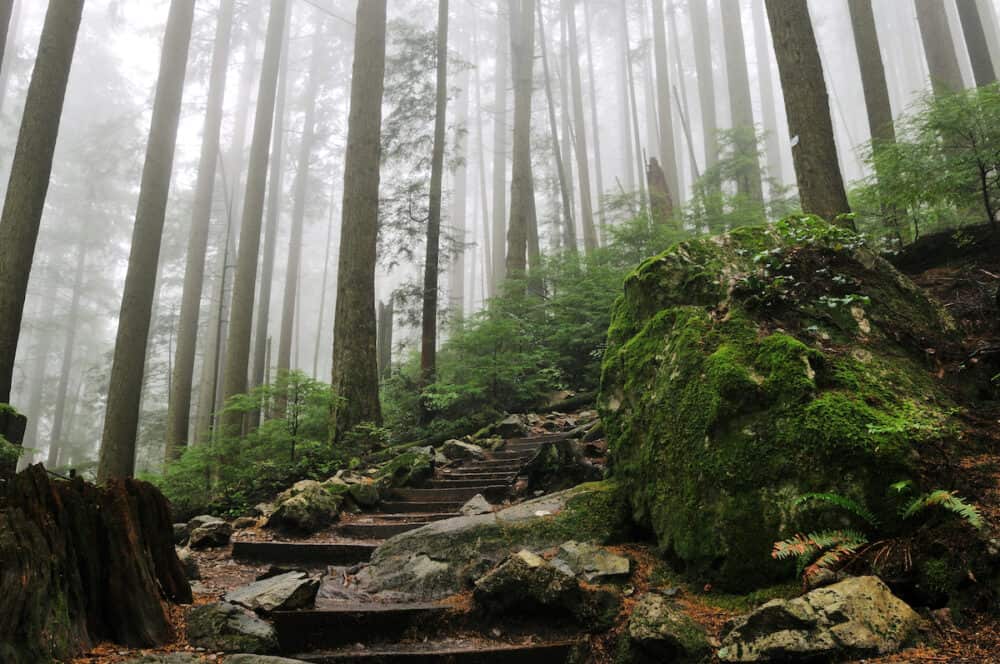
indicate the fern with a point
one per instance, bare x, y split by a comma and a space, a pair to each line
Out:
947, 500
826, 549
843, 502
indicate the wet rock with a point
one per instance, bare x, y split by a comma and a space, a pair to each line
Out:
364, 494
659, 631
593, 563
456, 450
244, 522
476, 505
199, 521
853, 619
306, 507
189, 564
212, 534
411, 468
259, 659
180, 534
512, 426
285, 592
263, 509
224, 627
558, 465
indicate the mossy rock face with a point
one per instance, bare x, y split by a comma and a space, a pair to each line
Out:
746, 369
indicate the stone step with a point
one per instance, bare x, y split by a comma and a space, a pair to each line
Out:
457, 494
413, 506
332, 625
449, 652
304, 552
378, 531
472, 482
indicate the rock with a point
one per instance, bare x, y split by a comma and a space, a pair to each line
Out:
306, 507
263, 509
659, 631
166, 658
476, 505
285, 592
854, 619
180, 534
365, 494
199, 521
213, 533
444, 557
558, 465
244, 522
745, 370
189, 564
260, 659
224, 627
592, 562
457, 450
512, 426
411, 468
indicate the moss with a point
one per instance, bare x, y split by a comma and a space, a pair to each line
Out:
407, 469
595, 512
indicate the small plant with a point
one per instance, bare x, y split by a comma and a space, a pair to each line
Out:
878, 544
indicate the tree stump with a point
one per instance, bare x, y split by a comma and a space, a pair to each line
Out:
12, 427
81, 564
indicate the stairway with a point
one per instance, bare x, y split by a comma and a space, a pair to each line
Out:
344, 631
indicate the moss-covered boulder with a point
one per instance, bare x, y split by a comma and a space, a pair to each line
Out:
306, 507
746, 369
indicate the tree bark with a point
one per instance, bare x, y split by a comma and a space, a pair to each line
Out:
701, 36
459, 202
488, 272
500, 148
989, 27
69, 348
748, 182
7, 48
580, 126
939, 47
326, 276
244, 283
29, 173
975, 42
595, 125
630, 71
355, 360
821, 187
385, 316
624, 78
873, 79
660, 204
179, 405
522, 189
762, 45
121, 420
668, 156
6, 11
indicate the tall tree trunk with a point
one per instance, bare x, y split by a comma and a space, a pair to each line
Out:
762, 45
323, 284
821, 186
355, 360
488, 272
595, 124
939, 47
630, 70
580, 126
179, 405
682, 102
244, 283
566, 112
500, 148
39, 375
6, 11
668, 156
459, 202
121, 420
69, 348
288, 308
522, 188
624, 85
569, 226
385, 315
748, 181
989, 27
29, 173
975, 42
873, 79
701, 35
428, 335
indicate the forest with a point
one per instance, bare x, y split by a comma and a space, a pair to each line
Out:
473, 331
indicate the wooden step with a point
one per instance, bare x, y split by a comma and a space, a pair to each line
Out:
378, 531
485, 476
472, 482
457, 494
412, 506
304, 552
410, 517
335, 624
491, 465
448, 652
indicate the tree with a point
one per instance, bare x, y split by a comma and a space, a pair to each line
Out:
939, 47
121, 419
975, 42
29, 173
500, 148
428, 334
179, 406
873, 80
762, 45
66, 360
522, 187
749, 182
355, 360
821, 187
701, 36
10, 15
595, 122
244, 283
6, 10
582, 156
668, 158
459, 202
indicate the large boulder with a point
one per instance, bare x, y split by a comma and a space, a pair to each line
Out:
659, 631
223, 627
411, 468
212, 534
557, 465
854, 619
746, 369
444, 557
512, 426
592, 562
284, 592
308, 506
456, 450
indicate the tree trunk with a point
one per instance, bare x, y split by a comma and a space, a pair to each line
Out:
762, 45
565, 109
488, 272
522, 188
748, 182
821, 187
660, 204
121, 420
459, 203
244, 283
288, 308
630, 70
500, 149
29, 173
624, 78
69, 348
682, 102
668, 156
595, 125
179, 405
873, 79
582, 155
39, 376
701, 35
355, 360
939, 47
989, 27
6, 11
323, 284
975, 42
385, 316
